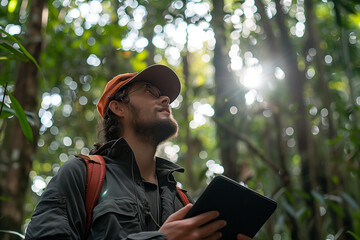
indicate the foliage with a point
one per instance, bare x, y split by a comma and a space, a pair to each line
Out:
22, 117
20, 54
84, 49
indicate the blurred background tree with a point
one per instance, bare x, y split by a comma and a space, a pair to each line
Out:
270, 97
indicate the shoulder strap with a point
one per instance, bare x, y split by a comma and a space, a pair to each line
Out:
184, 199
95, 166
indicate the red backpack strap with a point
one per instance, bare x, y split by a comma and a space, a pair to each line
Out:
95, 166
184, 199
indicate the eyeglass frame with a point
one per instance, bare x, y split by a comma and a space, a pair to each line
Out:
149, 88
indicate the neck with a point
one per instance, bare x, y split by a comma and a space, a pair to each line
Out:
145, 157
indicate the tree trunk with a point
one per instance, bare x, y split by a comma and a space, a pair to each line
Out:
296, 80
330, 162
149, 33
224, 92
17, 153
191, 179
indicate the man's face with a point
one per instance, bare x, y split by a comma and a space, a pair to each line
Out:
151, 115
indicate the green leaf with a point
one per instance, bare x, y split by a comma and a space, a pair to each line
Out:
22, 48
5, 114
302, 193
5, 199
10, 112
289, 209
334, 141
25, 126
302, 213
7, 58
15, 52
12, 6
353, 235
348, 6
350, 201
336, 208
7, 109
318, 196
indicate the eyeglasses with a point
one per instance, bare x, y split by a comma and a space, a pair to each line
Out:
155, 92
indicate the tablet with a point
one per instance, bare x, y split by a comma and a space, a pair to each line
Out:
244, 210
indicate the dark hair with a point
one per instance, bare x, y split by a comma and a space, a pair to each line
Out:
110, 127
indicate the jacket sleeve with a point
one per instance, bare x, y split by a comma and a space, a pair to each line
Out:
60, 213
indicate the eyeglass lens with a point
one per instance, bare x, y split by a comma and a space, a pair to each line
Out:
153, 91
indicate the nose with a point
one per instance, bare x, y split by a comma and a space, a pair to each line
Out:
165, 100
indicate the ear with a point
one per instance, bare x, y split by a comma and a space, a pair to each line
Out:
118, 108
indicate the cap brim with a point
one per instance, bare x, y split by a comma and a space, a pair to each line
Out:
162, 77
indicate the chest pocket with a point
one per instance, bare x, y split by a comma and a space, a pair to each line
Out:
117, 214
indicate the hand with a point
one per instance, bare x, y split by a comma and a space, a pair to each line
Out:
176, 227
242, 237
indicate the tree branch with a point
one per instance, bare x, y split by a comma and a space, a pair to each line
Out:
249, 144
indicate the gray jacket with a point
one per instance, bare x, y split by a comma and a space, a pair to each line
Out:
123, 210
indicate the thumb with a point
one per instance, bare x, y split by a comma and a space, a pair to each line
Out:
179, 214
243, 237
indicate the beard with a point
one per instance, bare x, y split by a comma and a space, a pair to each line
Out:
156, 131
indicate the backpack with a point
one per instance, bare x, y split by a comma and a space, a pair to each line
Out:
95, 167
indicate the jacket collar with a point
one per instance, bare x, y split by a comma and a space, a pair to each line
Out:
119, 151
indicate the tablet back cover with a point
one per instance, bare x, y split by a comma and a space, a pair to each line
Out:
245, 210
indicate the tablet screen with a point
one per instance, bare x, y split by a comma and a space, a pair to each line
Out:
245, 210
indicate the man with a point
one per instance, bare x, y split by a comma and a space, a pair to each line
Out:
139, 199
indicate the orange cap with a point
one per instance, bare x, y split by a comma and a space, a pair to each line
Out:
161, 76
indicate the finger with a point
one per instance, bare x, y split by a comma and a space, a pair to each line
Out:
203, 218
179, 214
242, 237
215, 236
211, 228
